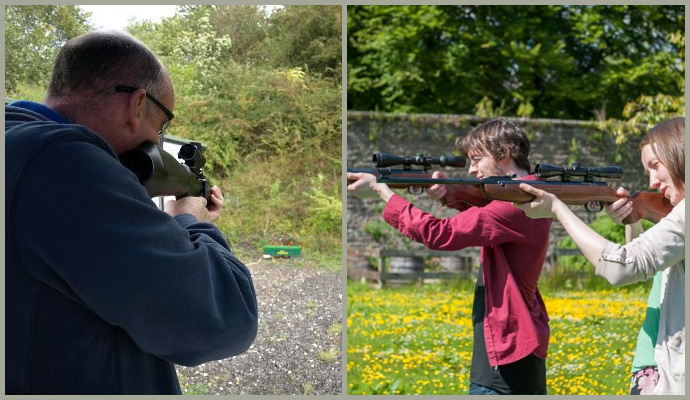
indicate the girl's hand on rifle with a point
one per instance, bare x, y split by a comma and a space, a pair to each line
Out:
547, 205
544, 205
620, 208
364, 185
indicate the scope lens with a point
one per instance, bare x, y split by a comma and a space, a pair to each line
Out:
187, 152
138, 162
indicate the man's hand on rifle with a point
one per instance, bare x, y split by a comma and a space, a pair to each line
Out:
216, 205
197, 206
365, 186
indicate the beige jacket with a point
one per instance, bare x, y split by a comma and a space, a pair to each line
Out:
661, 248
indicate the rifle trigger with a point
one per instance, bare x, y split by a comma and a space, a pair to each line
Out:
594, 206
416, 190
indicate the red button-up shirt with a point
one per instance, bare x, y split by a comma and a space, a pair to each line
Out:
513, 249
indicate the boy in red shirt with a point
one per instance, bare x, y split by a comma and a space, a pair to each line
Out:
511, 331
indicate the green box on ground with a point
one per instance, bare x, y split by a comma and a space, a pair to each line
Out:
283, 251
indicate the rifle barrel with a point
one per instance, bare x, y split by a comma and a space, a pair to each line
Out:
403, 173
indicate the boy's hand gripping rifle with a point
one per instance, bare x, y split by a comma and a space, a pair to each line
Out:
162, 175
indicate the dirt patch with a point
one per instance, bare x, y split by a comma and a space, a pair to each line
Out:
298, 349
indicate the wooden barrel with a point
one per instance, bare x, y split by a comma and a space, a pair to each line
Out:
451, 264
358, 262
359, 267
405, 265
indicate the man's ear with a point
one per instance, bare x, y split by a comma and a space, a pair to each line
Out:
136, 110
506, 155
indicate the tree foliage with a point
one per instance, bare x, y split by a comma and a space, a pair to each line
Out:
308, 37
578, 62
33, 36
189, 44
246, 26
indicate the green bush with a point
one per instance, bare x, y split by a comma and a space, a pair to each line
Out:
576, 272
27, 91
605, 227
272, 132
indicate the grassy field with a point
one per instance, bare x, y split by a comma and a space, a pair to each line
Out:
418, 340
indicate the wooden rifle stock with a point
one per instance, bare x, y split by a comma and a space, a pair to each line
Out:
650, 206
646, 205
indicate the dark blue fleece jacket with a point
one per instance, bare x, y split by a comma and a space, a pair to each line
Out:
104, 292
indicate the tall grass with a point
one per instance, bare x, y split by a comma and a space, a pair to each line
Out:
274, 146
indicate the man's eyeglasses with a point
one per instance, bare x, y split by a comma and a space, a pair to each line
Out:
168, 113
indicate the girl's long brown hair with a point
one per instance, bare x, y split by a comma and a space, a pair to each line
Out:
669, 138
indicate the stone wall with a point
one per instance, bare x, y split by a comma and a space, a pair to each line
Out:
553, 141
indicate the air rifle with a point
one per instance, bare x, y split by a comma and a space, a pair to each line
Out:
163, 175
383, 161
583, 190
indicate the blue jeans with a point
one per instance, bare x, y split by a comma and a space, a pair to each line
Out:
483, 390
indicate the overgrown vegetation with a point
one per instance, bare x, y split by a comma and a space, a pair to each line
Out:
575, 272
261, 90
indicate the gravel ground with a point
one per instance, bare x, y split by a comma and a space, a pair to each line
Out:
298, 346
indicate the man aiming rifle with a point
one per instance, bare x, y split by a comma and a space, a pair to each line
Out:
104, 291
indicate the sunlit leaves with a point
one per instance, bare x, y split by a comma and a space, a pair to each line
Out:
574, 62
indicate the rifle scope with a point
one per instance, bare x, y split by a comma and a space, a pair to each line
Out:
549, 170
192, 155
382, 160
162, 175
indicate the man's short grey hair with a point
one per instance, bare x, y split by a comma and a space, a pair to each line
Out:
97, 61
